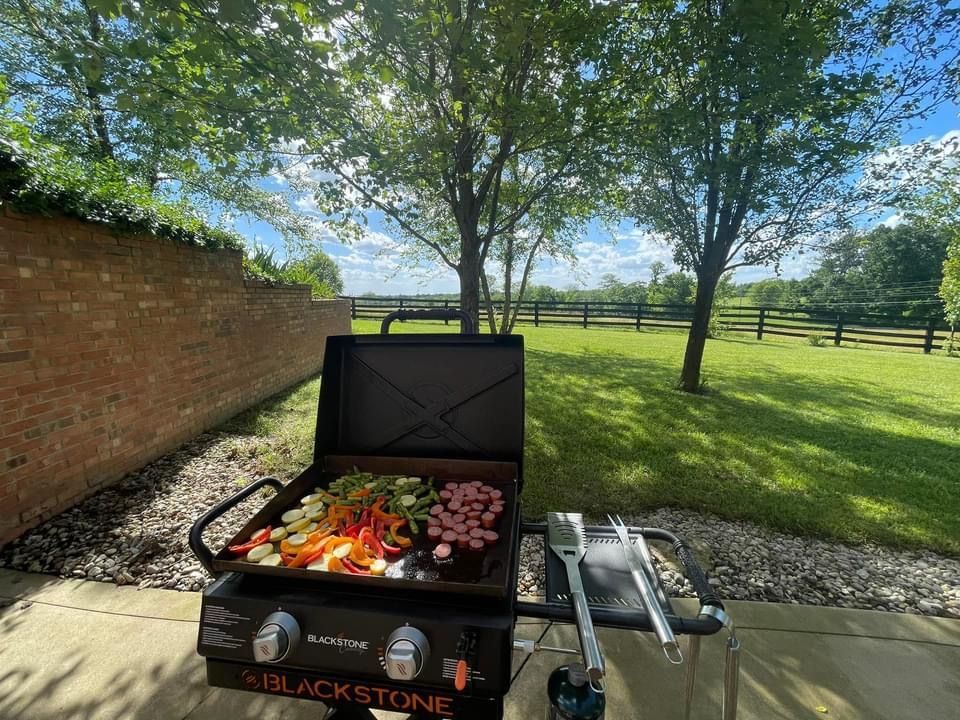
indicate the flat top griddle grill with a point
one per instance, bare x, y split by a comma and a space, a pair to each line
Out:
445, 406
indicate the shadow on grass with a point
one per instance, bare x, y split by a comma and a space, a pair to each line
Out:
803, 454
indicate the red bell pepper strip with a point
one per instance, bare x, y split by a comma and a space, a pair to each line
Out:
368, 538
353, 568
390, 549
354, 530
258, 538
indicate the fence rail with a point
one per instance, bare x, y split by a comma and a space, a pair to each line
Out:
859, 328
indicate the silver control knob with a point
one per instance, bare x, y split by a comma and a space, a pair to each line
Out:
406, 653
276, 638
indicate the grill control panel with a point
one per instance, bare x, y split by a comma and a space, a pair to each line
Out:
403, 641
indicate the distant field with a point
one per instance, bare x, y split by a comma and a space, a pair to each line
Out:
824, 441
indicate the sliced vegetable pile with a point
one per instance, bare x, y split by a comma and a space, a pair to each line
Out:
354, 526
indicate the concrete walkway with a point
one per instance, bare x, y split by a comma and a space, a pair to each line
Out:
73, 649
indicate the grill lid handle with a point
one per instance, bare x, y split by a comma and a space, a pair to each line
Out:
466, 322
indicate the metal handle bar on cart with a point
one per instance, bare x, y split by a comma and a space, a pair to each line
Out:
466, 322
711, 618
199, 548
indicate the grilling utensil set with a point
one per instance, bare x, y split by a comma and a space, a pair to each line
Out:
566, 537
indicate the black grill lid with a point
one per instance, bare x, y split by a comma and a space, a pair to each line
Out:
444, 396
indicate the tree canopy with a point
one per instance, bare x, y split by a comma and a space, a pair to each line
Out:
761, 114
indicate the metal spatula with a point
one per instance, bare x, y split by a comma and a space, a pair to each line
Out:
567, 538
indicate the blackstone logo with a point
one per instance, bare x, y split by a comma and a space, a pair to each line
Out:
342, 643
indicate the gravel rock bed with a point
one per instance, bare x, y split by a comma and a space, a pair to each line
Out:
135, 532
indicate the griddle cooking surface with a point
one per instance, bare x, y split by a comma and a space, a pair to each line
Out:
606, 578
486, 573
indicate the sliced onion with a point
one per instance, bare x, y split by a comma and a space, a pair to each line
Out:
273, 560
310, 528
290, 515
259, 552
342, 550
320, 564
311, 499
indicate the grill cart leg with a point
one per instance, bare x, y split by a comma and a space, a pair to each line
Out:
693, 660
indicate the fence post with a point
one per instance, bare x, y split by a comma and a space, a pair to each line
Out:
838, 333
639, 314
763, 314
353, 308
446, 306
536, 313
928, 338
586, 309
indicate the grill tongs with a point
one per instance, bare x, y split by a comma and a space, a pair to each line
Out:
568, 539
645, 578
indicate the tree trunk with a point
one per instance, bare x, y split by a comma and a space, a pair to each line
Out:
469, 271
488, 301
697, 338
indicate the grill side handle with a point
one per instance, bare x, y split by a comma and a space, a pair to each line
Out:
466, 322
199, 548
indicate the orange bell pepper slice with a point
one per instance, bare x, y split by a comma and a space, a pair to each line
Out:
359, 554
363, 492
334, 564
307, 552
399, 539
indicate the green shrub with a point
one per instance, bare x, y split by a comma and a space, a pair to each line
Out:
263, 265
816, 339
951, 346
40, 177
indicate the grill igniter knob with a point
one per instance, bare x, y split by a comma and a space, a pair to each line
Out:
276, 638
406, 653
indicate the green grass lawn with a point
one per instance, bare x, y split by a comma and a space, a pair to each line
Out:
836, 442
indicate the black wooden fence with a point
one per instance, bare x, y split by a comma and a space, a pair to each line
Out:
860, 328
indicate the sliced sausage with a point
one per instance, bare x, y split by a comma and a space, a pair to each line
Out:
442, 551
463, 541
446, 495
483, 497
454, 505
473, 515
436, 510
476, 484
486, 489
496, 494
497, 510
459, 518
479, 507
460, 528
435, 533
447, 522
476, 544
449, 536
451, 486
434, 522
488, 520
472, 522
490, 537
476, 532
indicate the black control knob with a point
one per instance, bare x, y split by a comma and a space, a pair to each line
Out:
406, 653
277, 637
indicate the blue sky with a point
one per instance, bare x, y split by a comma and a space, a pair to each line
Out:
375, 263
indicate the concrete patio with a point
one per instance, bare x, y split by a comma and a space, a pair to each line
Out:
74, 649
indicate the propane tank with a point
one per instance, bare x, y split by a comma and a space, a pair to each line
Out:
571, 695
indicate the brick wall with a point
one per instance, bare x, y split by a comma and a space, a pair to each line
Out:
115, 349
